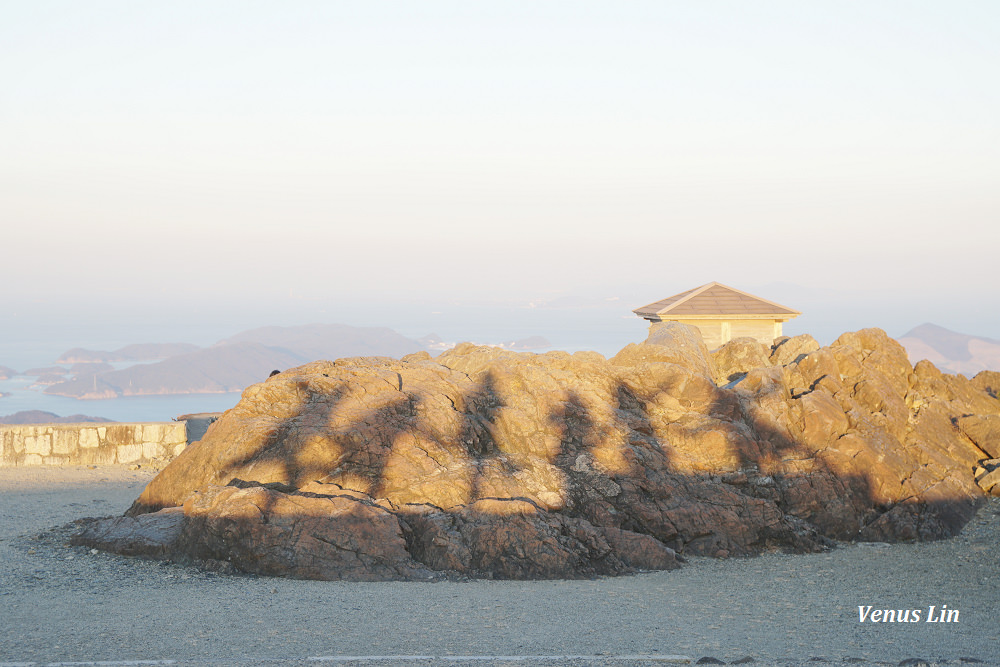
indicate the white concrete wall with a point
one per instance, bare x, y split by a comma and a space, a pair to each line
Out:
719, 332
760, 330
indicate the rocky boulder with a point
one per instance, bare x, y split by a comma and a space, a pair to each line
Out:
988, 381
670, 342
786, 350
983, 431
490, 463
737, 358
988, 476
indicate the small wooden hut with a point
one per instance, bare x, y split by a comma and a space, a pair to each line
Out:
721, 313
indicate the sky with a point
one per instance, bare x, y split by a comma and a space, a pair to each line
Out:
184, 170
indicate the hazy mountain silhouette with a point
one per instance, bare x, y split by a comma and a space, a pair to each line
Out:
43, 417
239, 361
952, 351
137, 352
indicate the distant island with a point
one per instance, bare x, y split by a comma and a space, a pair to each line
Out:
140, 352
233, 363
228, 366
43, 417
215, 370
47, 370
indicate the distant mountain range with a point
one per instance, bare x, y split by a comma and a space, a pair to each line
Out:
140, 352
231, 364
950, 351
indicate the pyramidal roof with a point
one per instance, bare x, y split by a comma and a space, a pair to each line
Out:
715, 300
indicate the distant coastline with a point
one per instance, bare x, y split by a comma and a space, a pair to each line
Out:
45, 417
124, 409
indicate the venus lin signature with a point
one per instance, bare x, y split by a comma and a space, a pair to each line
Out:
934, 615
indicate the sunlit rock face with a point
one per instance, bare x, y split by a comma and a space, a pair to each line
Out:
489, 463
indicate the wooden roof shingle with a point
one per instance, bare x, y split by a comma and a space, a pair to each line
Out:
715, 300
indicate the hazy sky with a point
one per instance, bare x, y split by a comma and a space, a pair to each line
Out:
844, 155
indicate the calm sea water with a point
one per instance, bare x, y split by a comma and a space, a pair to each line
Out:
20, 397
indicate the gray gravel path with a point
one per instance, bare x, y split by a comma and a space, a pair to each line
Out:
62, 604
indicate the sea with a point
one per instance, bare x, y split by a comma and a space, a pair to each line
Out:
19, 396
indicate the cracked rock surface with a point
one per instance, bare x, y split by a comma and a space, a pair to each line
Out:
489, 463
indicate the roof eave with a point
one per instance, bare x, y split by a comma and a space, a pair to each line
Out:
669, 317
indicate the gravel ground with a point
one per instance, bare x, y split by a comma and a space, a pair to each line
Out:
62, 604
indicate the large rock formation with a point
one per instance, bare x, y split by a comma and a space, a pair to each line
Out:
490, 463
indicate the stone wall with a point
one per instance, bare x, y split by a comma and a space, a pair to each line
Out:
90, 444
